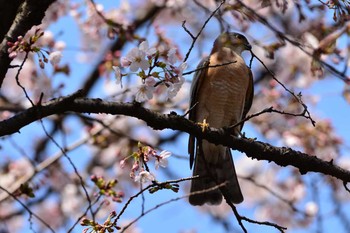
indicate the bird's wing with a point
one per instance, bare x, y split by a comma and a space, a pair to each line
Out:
196, 85
249, 96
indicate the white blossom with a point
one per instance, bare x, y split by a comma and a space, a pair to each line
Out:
118, 75
125, 62
144, 177
55, 57
144, 93
171, 56
47, 38
311, 208
136, 57
162, 159
145, 48
175, 87
60, 45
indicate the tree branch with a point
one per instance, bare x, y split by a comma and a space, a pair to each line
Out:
282, 156
29, 13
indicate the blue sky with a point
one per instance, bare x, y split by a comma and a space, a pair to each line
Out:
178, 216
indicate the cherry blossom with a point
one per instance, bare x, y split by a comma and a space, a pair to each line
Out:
162, 159
311, 208
125, 62
144, 177
171, 57
122, 163
175, 87
180, 69
136, 57
145, 48
118, 75
59, 45
144, 93
55, 57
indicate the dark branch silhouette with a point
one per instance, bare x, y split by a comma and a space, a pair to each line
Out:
254, 149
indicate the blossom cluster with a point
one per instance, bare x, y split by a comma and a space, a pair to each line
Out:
139, 171
109, 225
154, 70
23, 45
106, 188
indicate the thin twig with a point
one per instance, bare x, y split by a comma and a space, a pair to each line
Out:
190, 109
17, 79
148, 187
218, 16
143, 200
169, 201
306, 112
346, 187
266, 110
31, 213
240, 218
278, 227
107, 21
282, 35
275, 194
83, 215
235, 212
48, 162
194, 38
73, 165
209, 66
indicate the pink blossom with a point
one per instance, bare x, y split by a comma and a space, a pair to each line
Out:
60, 45
144, 93
13, 54
150, 82
180, 69
144, 177
175, 87
135, 166
172, 58
172, 90
162, 159
136, 57
122, 163
311, 208
55, 57
145, 48
47, 38
125, 62
148, 152
118, 75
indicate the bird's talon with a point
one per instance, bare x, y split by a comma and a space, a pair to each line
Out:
204, 125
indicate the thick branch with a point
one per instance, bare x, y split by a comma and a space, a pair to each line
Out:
254, 149
29, 13
8, 12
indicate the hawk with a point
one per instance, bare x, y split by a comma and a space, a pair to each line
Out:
221, 96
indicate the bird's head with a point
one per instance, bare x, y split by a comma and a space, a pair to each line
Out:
233, 40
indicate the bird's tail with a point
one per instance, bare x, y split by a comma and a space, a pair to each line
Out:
214, 166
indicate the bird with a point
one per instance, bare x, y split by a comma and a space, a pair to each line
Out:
221, 96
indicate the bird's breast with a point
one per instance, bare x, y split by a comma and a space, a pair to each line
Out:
224, 91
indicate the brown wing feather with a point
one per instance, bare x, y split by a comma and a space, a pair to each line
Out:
196, 84
249, 96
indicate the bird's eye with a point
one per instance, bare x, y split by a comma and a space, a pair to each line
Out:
238, 36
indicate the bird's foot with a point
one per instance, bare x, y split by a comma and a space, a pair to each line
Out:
204, 125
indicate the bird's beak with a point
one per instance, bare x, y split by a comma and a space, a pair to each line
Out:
248, 46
